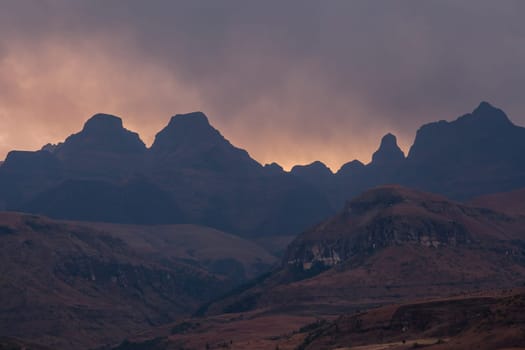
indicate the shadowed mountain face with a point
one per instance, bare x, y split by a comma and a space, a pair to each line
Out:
134, 202
478, 153
391, 244
189, 141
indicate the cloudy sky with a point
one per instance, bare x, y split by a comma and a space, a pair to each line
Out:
290, 81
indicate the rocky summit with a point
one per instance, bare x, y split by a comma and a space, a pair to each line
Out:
388, 152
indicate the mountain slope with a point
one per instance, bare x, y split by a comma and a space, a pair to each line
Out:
71, 285
391, 244
486, 322
512, 202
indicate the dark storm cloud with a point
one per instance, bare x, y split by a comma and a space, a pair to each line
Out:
291, 81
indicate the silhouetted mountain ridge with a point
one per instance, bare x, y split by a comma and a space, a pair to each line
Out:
205, 179
191, 173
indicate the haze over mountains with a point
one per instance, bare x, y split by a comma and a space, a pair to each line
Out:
192, 174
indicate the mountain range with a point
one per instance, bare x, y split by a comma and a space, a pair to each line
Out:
104, 239
192, 174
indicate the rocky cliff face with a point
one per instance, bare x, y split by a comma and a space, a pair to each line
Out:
389, 216
391, 244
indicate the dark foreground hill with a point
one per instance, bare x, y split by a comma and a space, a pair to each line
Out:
388, 245
76, 286
484, 322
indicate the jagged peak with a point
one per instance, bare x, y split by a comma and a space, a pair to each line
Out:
389, 151
274, 165
274, 168
485, 112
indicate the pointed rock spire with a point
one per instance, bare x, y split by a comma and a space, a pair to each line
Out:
388, 152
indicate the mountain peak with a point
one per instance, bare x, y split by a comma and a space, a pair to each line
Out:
102, 133
102, 122
388, 152
487, 113
191, 141
316, 168
191, 130
350, 168
274, 168
484, 105
192, 118
389, 140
